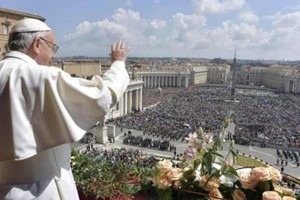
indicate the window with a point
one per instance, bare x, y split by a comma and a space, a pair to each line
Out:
5, 29
5, 26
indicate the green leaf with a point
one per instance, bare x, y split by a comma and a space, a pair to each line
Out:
217, 154
130, 188
196, 164
207, 162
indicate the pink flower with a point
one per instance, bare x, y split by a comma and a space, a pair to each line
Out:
247, 181
192, 138
163, 182
190, 152
271, 195
275, 174
164, 166
261, 173
210, 185
207, 137
215, 194
283, 190
287, 191
175, 174
288, 198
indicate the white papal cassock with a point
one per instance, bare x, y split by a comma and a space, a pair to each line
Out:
42, 110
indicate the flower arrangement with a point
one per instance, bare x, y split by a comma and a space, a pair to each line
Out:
205, 173
100, 179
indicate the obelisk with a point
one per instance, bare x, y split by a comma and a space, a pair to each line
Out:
233, 78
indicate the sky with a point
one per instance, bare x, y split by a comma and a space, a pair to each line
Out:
254, 29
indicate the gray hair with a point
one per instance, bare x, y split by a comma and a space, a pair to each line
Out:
22, 41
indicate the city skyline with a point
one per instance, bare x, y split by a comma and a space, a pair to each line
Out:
268, 29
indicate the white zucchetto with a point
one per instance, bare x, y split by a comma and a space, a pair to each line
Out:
29, 25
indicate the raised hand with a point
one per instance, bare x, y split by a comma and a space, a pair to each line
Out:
118, 51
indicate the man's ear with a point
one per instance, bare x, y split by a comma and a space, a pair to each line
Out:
36, 46
34, 50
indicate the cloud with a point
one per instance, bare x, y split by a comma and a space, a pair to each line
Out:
89, 31
181, 21
248, 17
286, 35
286, 20
239, 32
124, 16
125, 24
216, 6
158, 24
191, 35
286, 30
181, 31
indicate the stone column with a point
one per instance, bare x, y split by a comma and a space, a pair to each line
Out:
158, 78
141, 99
179, 81
136, 96
148, 81
298, 86
186, 81
125, 103
129, 101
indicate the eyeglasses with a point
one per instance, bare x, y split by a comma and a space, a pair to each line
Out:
53, 46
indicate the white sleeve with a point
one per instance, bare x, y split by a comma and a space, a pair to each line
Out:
116, 78
47, 107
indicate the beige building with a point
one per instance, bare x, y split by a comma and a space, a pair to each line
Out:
198, 75
252, 75
7, 19
218, 73
80, 68
183, 76
292, 82
283, 78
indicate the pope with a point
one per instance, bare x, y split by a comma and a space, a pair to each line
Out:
44, 110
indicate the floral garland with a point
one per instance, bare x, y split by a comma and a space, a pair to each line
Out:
205, 172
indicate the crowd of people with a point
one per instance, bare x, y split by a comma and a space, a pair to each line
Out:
130, 157
284, 156
146, 142
262, 117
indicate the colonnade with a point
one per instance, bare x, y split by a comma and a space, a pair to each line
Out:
130, 101
292, 85
165, 80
